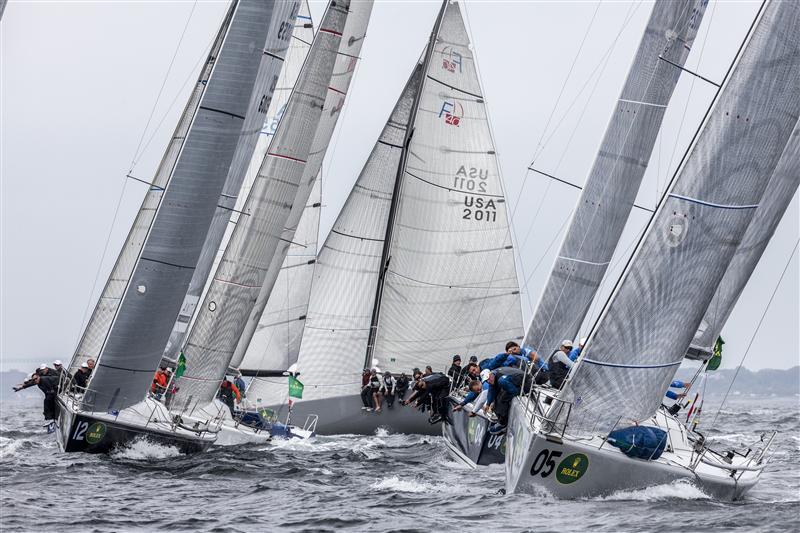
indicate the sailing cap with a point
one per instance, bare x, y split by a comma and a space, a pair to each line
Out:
485, 374
42, 366
57, 362
567, 343
84, 365
456, 357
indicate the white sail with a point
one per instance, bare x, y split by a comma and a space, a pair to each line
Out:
655, 310
280, 185
287, 46
451, 284
780, 191
612, 185
149, 281
276, 340
350, 49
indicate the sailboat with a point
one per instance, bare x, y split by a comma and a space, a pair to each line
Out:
572, 441
131, 323
419, 263
265, 227
613, 183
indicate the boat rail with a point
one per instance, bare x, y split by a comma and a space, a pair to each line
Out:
310, 424
69, 392
552, 420
754, 463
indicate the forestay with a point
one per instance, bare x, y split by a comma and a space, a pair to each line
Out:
608, 196
263, 104
168, 256
240, 275
648, 324
349, 51
451, 284
777, 197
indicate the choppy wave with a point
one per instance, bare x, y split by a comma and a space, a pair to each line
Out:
415, 485
678, 490
381, 481
144, 450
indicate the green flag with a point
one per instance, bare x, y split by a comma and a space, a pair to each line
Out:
716, 359
181, 368
295, 388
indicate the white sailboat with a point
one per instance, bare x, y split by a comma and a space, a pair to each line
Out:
559, 440
268, 220
612, 184
131, 323
419, 264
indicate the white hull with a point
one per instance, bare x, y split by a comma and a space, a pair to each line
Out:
589, 467
217, 416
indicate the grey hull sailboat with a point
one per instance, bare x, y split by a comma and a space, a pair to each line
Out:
568, 441
604, 206
419, 264
131, 324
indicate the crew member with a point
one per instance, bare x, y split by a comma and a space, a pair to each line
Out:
505, 383
433, 391
388, 388
81, 378
559, 364
160, 380
455, 372
227, 393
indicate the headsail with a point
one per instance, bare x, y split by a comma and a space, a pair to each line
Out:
283, 185
279, 66
346, 272
449, 281
647, 325
610, 190
780, 191
166, 248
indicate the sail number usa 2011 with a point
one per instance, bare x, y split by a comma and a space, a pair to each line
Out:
474, 181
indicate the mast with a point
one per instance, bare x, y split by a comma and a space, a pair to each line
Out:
398, 185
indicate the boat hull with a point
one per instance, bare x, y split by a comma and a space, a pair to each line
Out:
101, 433
468, 440
343, 415
570, 469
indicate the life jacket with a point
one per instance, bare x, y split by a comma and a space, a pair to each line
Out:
159, 382
558, 370
375, 382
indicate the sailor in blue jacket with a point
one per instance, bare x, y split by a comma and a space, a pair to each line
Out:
677, 384
576, 352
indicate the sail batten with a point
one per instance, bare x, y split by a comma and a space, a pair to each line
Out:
613, 183
658, 304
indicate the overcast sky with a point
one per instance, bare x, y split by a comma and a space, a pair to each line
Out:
79, 81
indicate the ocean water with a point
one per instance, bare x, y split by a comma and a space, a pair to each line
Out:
379, 483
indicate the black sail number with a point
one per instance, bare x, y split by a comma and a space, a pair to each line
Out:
545, 462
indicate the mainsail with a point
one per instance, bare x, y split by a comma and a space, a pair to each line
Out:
284, 181
647, 325
287, 44
149, 281
426, 225
610, 190
777, 197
